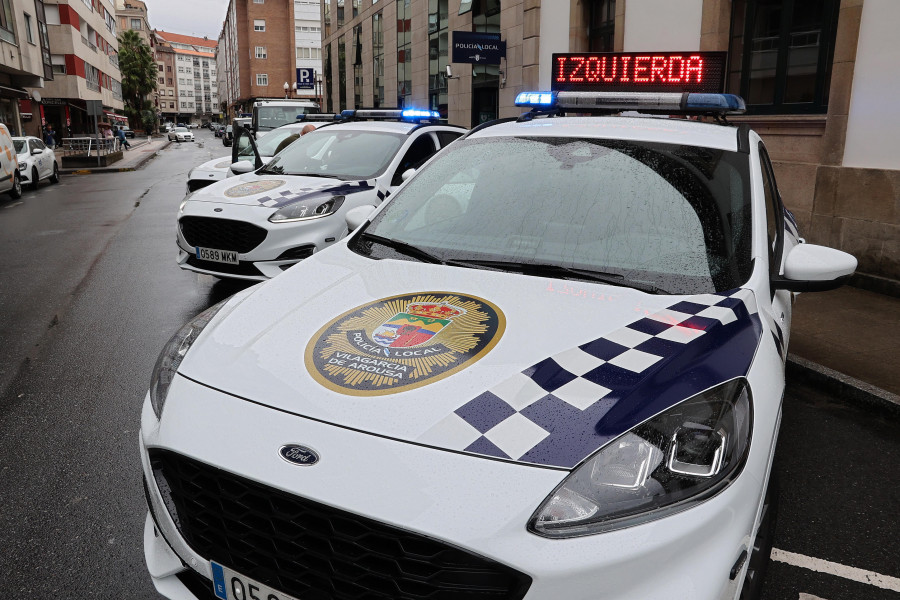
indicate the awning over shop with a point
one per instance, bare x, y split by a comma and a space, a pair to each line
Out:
12, 92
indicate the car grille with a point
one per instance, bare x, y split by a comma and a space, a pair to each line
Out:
244, 268
221, 234
316, 552
195, 184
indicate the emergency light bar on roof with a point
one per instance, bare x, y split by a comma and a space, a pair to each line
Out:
415, 115
606, 102
639, 71
319, 117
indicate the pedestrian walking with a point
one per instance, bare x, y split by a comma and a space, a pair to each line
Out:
50, 137
120, 133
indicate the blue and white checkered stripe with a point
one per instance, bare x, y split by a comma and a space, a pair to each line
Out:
790, 223
562, 409
289, 196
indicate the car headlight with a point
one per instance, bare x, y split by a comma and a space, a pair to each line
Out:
173, 353
22, 166
307, 209
667, 464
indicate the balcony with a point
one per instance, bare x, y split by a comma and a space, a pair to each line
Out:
93, 86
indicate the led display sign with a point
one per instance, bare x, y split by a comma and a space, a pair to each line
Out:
639, 72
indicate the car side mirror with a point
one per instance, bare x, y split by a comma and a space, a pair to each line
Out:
36, 151
407, 174
242, 166
812, 268
358, 215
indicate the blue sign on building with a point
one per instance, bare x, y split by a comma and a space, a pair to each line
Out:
306, 78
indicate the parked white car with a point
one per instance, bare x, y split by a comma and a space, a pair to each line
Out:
181, 134
36, 162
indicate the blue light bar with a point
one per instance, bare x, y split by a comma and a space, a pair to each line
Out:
318, 117
648, 102
536, 99
715, 102
416, 114
347, 114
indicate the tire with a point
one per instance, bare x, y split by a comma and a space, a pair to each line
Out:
16, 191
761, 548
35, 179
54, 178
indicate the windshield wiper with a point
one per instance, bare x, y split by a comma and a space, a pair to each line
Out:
549, 270
402, 248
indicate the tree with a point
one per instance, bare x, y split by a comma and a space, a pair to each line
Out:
139, 74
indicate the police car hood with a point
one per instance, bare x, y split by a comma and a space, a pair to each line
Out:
528, 369
274, 191
217, 164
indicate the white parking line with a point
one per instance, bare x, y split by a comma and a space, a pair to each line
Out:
884, 582
809, 597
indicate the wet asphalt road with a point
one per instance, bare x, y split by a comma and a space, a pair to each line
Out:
89, 292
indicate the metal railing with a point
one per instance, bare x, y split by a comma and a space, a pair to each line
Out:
87, 146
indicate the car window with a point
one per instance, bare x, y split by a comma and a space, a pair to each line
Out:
418, 152
677, 217
38, 144
271, 144
341, 153
446, 137
774, 212
19, 145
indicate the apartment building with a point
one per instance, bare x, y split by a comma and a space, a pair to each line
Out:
256, 54
85, 64
308, 47
819, 78
195, 76
24, 63
166, 97
132, 14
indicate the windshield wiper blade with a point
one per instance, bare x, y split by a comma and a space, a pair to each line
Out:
403, 248
550, 270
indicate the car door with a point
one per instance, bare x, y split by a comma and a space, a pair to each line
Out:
420, 148
44, 161
37, 156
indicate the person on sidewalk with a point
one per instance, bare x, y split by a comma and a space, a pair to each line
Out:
122, 139
50, 137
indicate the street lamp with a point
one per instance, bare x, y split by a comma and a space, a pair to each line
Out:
286, 90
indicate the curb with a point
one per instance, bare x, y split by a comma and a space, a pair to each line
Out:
140, 163
840, 385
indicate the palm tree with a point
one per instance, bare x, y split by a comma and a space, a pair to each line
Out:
139, 74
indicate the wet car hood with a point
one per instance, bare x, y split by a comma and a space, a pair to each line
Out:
529, 369
274, 191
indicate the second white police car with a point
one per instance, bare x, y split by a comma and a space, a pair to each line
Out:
550, 366
258, 224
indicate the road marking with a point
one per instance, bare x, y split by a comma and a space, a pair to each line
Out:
809, 597
884, 582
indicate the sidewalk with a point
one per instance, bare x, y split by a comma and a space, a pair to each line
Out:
846, 341
140, 152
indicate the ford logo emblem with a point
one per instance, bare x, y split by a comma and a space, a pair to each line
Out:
299, 455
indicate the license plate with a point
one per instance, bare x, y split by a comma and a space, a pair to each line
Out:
222, 256
229, 585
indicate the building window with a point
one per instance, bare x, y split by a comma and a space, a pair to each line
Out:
404, 53
781, 54
160, 68
342, 74
357, 67
326, 85
485, 78
355, 8
7, 23
340, 13
437, 56
260, 53
378, 59
136, 24
162, 80
171, 92
59, 63
28, 35
169, 79
601, 32
259, 1
262, 79
259, 24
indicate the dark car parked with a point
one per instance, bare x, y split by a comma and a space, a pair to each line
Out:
227, 135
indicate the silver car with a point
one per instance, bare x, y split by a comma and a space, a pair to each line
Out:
181, 134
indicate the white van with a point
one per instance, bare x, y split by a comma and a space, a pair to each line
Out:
9, 165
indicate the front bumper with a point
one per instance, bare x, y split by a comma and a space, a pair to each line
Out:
481, 506
266, 260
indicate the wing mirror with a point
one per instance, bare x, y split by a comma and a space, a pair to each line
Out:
358, 215
241, 167
812, 268
407, 174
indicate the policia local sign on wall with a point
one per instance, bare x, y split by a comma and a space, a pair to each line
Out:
478, 48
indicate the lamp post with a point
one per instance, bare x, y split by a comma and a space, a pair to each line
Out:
319, 91
287, 89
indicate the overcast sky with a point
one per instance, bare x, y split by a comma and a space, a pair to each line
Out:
188, 17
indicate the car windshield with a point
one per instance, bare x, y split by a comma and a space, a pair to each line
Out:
270, 117
659, 217
340, 153
19, 146
272, 143
181, 129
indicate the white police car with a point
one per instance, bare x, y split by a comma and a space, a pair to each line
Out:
551, 366
258, 224
36, 161
218, 169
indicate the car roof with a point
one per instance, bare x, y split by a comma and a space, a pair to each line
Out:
642, 129
403, 127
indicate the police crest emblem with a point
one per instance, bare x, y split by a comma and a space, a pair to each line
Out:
403, 342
